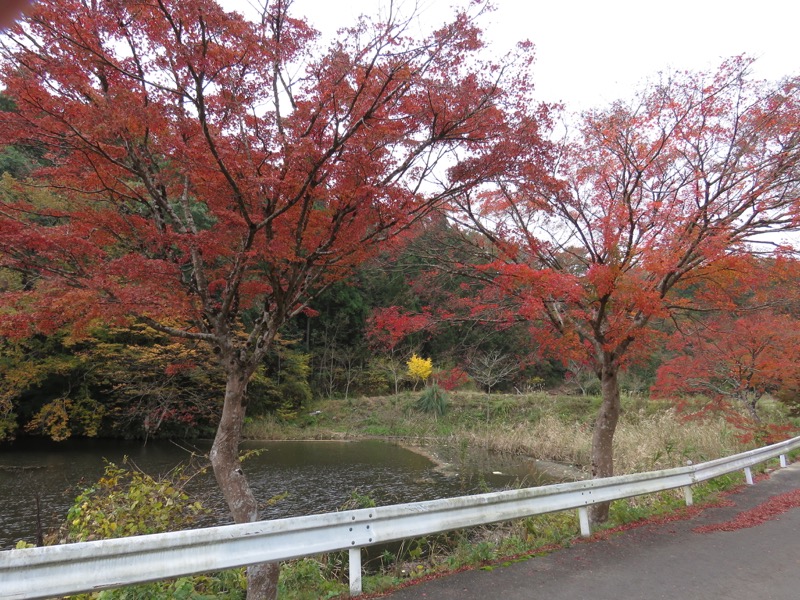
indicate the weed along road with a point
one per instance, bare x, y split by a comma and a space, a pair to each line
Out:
746, 550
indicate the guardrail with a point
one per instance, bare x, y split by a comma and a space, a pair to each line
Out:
89, 566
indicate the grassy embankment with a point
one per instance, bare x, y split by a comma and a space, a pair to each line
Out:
557, 428
650, 436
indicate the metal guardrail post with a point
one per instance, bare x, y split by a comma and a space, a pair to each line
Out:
583, 517
783, 461
748, 476
687, 494
355, 571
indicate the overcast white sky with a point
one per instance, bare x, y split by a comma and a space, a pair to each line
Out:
592, 52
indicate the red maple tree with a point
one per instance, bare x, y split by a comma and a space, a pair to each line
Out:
386, 329
739, 358
648, 198
213, 174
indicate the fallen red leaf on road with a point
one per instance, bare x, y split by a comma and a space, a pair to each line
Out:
770, 509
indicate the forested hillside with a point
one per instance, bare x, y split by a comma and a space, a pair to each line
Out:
358, 337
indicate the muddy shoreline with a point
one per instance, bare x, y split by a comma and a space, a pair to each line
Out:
443, 456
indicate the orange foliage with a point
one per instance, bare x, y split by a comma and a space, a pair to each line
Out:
641, 210
741, 358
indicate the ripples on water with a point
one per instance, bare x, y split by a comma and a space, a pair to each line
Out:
318, 477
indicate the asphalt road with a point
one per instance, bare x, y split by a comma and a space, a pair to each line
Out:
655, 561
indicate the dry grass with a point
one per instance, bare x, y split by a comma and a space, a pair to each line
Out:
558, 428
548, 438
664, 440
641, 443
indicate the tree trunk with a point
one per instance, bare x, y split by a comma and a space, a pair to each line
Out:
262, 579
603, 436
751, 403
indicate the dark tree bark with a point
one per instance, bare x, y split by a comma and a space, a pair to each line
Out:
262, 579
603, 435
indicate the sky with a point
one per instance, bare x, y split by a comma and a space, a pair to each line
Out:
590, 53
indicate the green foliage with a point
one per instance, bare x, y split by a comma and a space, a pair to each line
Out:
638, 508
709, 489
8, 424
226, 585
17, 160
134, 383
308, 579
126, 501
552, 528
581, 408
282, 386
129, 382
358, 500
789, 396
373, 380
469, 552
44, 385
14, 162
154, 386
62, 417
433, 400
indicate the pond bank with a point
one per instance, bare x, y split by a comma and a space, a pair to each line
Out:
556, 430
449, 460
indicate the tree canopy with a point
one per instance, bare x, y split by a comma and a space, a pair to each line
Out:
210, 174
682, 185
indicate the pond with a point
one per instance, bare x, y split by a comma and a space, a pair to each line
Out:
316, 476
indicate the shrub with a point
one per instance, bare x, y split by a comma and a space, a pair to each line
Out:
126, 501
453, 379
433, 400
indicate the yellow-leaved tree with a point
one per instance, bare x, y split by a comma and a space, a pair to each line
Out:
419, 369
